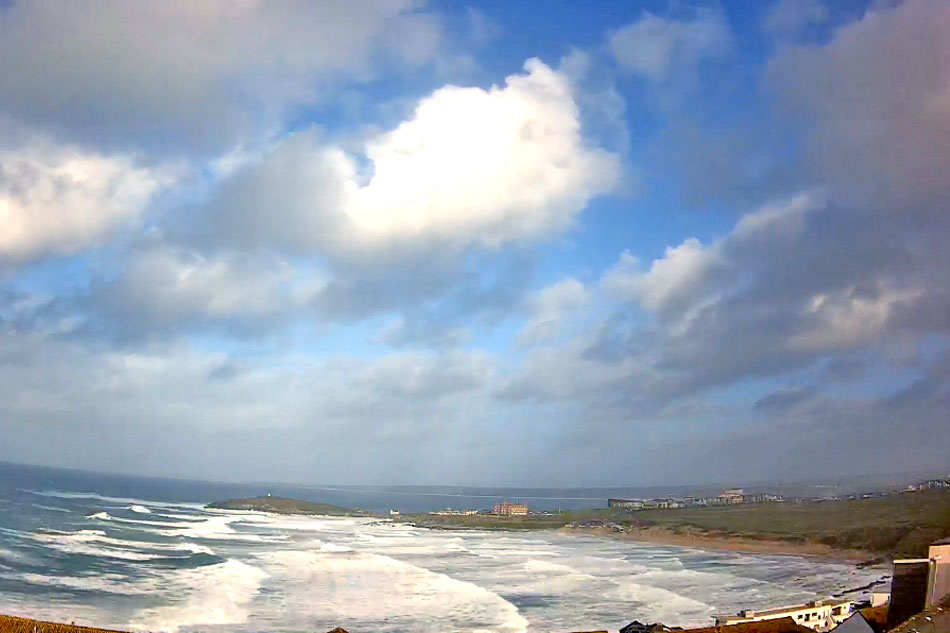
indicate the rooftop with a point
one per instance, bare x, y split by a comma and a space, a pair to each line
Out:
777, 625
756, 613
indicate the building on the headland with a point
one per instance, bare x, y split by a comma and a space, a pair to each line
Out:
510, 509
818, 615
625, 504
731, 496
394, 513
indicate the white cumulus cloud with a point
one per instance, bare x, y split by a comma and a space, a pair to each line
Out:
61, 200
471, 166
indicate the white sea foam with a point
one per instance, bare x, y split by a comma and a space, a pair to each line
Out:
105, 516
333, 547
216, 527
386, 577
16, 558
125, 501
51, 508
97, 543
216, 595
302, 524
106, 583
376, 589
663, 605
140, 509
180, 517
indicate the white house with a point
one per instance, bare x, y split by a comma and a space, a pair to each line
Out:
820, 615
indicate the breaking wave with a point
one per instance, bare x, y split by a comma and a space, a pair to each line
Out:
215, 595
96, 543
386, 593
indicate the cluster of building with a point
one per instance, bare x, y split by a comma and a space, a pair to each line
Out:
818, 615
930, 484
729, 496
449, 512
733, 496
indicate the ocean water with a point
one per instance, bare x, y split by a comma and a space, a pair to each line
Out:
145, 555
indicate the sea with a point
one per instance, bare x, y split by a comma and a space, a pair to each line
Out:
142, 554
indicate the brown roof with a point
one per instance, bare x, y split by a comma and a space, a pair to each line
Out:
11, 624
876, 617
775, 625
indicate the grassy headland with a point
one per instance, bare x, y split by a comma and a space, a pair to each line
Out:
283, 505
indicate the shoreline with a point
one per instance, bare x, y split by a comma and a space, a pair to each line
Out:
699, 540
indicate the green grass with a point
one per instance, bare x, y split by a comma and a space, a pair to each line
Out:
900, 524
282, 505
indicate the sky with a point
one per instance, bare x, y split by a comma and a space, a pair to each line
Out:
497, 243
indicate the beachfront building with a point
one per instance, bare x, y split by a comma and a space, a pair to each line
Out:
625, 504
819, 615
731, 495
509, 509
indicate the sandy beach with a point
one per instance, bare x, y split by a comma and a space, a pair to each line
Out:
700, 540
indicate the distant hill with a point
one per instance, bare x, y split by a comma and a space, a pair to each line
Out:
282, 505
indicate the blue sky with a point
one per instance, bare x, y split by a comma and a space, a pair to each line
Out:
610, 243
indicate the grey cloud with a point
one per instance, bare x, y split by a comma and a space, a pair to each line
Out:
162, 291
785, 399
846, 370
481, 294
178, 401
657, 47
789, 17
792, 286
873, 103
168, 75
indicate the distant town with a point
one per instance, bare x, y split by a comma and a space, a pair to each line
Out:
726, 497
735, 496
